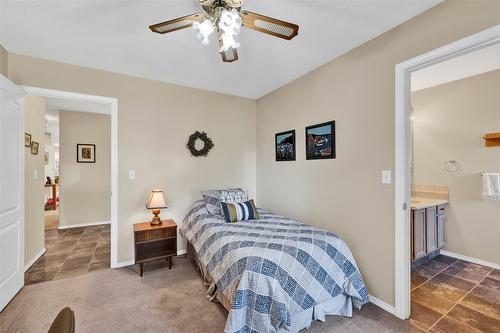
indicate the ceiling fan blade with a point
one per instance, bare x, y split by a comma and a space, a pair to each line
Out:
230, 55
269, 25
176, 24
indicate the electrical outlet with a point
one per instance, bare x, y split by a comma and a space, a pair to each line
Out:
386, 176
35, 174
131, 174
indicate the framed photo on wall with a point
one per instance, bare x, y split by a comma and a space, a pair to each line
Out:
320, 141
34, 147
27, 140
285, 146
85, 153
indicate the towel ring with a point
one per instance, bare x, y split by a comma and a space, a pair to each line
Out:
452, 166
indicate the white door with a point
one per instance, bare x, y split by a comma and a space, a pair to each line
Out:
11, 191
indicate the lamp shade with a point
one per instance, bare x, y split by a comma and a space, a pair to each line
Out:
156, 200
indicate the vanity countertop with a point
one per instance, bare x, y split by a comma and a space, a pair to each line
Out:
422, 202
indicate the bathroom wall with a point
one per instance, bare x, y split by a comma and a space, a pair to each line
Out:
450, 121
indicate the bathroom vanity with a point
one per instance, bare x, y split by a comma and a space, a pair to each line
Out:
427, 218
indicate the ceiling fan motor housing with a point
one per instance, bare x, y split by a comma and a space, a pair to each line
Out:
220, 3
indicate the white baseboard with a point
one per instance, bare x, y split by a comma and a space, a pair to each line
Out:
381, 304
473, 260
124, 263
34, 259
90, 224
132, 262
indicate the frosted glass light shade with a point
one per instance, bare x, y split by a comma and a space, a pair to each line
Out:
156, 200
203, 30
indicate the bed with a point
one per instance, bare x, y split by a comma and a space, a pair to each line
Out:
273, 274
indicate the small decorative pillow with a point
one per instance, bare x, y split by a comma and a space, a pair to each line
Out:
233, 196
212, 202
213, 199
239, 211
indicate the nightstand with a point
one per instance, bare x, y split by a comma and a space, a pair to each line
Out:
154, 242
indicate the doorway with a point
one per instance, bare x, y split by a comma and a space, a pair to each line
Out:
95, 236
403, 153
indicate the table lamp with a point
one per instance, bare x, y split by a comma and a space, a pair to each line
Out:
156, 202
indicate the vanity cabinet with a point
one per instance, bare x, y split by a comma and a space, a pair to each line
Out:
418, 228
440, 220
431, 229
427, 230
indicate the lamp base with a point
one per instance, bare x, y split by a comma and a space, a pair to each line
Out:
156, 218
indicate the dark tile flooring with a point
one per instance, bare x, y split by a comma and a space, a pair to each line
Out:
450, 295
71, 252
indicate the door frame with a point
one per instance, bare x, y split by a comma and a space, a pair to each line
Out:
402, 152
113, 104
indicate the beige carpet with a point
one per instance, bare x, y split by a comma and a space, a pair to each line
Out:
118, 300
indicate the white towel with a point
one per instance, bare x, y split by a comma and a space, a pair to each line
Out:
491, 186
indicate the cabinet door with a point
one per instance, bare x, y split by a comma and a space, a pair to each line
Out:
419, 248
431, 226
441, 219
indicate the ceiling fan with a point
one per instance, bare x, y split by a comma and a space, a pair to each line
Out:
226, 18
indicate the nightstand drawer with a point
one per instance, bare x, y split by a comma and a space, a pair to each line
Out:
154, 234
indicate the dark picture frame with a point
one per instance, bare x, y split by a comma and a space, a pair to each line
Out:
85, 153
320, 141
285, 146
27, 140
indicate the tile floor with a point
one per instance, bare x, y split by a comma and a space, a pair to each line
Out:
450, 295
71, 252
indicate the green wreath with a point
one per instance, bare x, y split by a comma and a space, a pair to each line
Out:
207, 144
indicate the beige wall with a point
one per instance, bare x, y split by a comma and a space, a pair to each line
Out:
450, 121
85, 188
154, 122
4, 61
34, 189
345, 195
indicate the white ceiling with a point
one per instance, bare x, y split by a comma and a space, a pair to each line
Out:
470, 64
114, 36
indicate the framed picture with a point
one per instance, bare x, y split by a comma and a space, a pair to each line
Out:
46, 158
320, 141
34, 148
27, 140
285, 146
85, 153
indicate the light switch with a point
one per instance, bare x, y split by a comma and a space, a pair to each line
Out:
386, 176
131, 174
35, 174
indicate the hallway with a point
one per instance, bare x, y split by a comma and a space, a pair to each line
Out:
72, 252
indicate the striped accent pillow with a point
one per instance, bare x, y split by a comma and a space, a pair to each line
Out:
239, 211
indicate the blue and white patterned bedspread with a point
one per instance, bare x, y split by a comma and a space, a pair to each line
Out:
271, 268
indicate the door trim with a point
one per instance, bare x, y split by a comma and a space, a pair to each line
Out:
113, 104
402, 151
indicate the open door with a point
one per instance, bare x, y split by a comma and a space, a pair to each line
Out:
11, 191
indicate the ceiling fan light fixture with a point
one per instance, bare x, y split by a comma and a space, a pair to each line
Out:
226, 18
230, 26
204, 30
